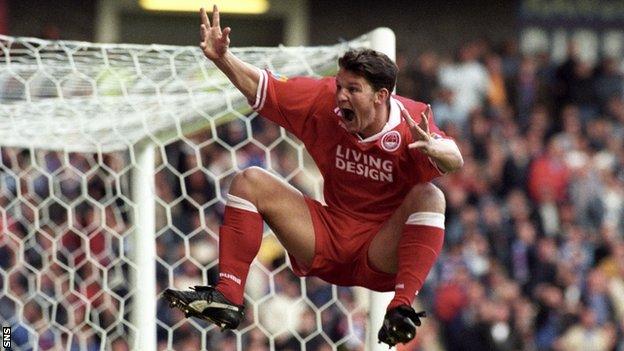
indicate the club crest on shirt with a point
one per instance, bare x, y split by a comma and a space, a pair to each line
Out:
391, 141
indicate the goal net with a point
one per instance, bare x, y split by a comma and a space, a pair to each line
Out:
115, 161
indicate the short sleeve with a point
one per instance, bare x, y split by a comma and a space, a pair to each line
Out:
288, 102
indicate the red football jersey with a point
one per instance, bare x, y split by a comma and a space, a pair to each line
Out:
367, 178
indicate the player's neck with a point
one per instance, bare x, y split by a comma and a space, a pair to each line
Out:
382, 114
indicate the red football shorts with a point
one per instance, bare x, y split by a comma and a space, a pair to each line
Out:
341, 250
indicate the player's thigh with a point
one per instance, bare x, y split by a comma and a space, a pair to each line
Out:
383, 250
284, 209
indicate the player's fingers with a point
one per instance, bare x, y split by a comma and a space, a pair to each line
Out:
420, 144
428, 113
425, 114
216, 22
226, 33
424, 122
203, 32
407, 117
204, 17
410, 122
421, 132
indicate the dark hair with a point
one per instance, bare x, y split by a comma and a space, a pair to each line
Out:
378, 69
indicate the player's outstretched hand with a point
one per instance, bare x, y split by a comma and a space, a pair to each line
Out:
420, 132
214, 41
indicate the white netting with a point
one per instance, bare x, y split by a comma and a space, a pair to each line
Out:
71, 114
79, 96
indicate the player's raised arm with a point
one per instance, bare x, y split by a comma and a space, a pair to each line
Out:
215, 43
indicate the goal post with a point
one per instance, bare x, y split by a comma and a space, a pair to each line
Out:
144, 278
383, 40
114, 164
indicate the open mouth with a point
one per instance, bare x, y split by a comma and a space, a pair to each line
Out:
348, 114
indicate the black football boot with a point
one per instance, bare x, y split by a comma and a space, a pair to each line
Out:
399, 325
205, 302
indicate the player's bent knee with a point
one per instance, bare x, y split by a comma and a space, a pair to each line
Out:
426, 197
246, 183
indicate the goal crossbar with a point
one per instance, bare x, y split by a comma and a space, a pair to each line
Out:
87, 97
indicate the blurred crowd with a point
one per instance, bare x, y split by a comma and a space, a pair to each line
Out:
534, 247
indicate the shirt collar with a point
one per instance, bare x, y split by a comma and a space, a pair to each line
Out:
394, 119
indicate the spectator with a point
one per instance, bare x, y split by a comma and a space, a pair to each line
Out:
549, 175
497, 90
467, 79
425, 76
587, 334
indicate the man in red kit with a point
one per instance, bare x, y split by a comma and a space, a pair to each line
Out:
383, 225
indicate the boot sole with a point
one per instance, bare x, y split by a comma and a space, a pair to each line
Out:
393, 335
176, 302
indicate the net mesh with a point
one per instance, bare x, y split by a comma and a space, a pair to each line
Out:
71, 116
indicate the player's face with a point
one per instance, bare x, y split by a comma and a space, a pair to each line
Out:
357, 100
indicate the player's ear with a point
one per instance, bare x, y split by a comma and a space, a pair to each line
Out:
381, 96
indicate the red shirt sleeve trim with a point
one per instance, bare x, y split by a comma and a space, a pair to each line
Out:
261, 93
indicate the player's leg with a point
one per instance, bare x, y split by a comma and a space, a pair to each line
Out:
423, 198
283, 208
254, 195
408, 245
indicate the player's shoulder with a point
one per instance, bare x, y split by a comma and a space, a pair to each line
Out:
329, 82
320, 92
309, 80
411, 105
312, 79
321, 85
326, 92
